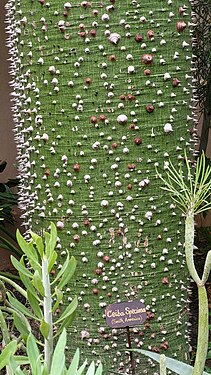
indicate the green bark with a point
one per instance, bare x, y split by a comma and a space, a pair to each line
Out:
93, 116
203, 332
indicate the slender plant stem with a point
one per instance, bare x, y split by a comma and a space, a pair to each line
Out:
207, 268
203, 332
189, 243
47, 309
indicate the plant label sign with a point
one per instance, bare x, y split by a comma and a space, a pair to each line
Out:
125, 314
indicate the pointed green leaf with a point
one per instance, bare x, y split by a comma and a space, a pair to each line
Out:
66, 323
74, 363
58, 360
20, 307
22, 325
68, 311
69, 272
180, 368
15, 367
21, 360
60, 273
37, 282
6, 353
50, 240
33, 301
59, 296
28, 249
33, 354
52, 260
99, 370
39, 243
91, 369
45, 329
45, 369
20, 267
27, 281
81, 369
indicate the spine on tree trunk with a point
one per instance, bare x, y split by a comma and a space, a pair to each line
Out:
101, 97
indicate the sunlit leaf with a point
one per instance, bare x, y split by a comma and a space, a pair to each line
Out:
58, 359
44, 329
22, 324
59, 296
6, 353
37, 282
33, 354
69, 272
33, 301
20, 307
68, 311
20, 267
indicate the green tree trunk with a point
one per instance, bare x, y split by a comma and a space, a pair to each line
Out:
102, 96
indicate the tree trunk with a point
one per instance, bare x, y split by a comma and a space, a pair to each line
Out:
102, 96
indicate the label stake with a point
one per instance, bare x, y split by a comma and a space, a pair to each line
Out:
131, 353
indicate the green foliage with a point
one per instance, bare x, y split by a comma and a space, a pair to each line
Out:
38, 366
34, 269
191, 192
6, 353
8, 199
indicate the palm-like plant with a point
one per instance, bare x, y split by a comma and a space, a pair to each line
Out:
191, 191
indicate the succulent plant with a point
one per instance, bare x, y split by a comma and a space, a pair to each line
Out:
101, 96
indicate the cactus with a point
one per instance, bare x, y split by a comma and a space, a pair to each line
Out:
101, 95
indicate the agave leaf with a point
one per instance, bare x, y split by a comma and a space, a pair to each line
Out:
180, 368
